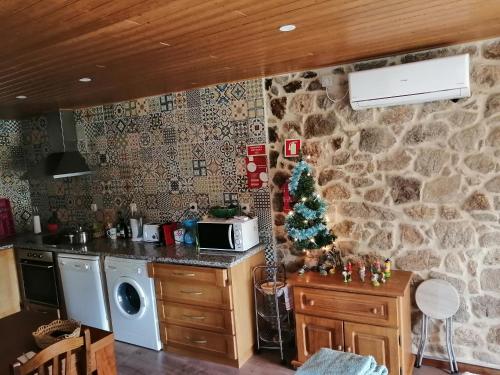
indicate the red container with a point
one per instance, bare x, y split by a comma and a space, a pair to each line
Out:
168, 233
52, 228
7, 228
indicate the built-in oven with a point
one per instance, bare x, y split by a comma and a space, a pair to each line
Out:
38, 279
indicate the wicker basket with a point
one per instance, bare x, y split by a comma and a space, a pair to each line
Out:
270, 286
43, 337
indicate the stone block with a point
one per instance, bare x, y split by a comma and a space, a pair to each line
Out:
486, 306
454, 234
404, 190
376, 140
336, 192
418, 260
278, 107
493, 185
492, 50
393, 162
481, 163
430, 161
317, 125
423, 133
420, 212
467, 140
477, 201
410, 235
301, 104
442, 189
490, 280
374, 195
365, 211
382, 240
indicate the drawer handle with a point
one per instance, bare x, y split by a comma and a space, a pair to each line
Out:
191, 292
339, 348
196, 341
184, 274
194, 317
311, 302
374, 310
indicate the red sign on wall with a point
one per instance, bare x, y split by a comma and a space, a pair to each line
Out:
256, 171
256, 149
292, 148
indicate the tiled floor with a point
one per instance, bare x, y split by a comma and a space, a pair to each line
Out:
133, 360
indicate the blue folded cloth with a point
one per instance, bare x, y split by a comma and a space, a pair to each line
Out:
333, 362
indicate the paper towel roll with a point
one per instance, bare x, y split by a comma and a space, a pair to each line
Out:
37, 227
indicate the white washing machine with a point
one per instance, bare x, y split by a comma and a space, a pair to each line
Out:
132, 302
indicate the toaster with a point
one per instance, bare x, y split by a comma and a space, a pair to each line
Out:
151, 232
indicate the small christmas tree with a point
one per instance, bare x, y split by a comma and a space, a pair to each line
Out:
306, 223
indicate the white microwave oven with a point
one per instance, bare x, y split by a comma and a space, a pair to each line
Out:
228, 234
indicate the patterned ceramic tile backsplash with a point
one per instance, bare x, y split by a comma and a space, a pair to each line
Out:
163, 153
12, 167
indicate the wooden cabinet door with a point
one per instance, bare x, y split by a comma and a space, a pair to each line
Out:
9, 286
314, 333
380, 342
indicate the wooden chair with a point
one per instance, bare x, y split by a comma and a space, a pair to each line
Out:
53, 355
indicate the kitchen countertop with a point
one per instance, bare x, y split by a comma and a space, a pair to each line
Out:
152, 252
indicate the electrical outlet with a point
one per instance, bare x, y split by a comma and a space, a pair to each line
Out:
326, 81
245, 207
193, 207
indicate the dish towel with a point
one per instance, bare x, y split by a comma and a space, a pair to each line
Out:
333, 362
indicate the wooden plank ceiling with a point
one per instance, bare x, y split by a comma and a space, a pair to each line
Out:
135, 48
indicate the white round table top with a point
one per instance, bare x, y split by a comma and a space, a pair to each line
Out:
437, 299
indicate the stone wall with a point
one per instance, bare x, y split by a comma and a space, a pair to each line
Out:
417, 183
13, 184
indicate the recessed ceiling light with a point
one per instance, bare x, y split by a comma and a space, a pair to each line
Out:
165, 44
100, 66
286, 28
21, 97
85, 79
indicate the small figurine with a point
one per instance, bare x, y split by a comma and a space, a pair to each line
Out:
303, 270
349, 267
382, 277
377, 266
323, 272
331, 271
387, 268
362, 271
345, 274
375, 279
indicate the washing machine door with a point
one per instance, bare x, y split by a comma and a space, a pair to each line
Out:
129, 298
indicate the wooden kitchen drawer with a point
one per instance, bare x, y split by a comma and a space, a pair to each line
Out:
188, 274
198, 294
199, 340
347, 306
196, 317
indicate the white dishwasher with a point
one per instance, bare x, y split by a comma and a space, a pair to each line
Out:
82, 285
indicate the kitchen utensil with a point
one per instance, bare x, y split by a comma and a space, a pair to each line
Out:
168, 233
111, 233
179, 235
151, 232
189, 231
71, 238
136, 228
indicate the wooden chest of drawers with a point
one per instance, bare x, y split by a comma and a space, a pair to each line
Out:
355, 317
207, 312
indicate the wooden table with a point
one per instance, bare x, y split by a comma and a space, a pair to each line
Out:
16, 338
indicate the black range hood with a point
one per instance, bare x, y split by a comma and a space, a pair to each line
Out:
66, 161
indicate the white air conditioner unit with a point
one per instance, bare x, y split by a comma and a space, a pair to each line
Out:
423, 81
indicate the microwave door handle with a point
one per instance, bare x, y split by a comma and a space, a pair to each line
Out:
229, 236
